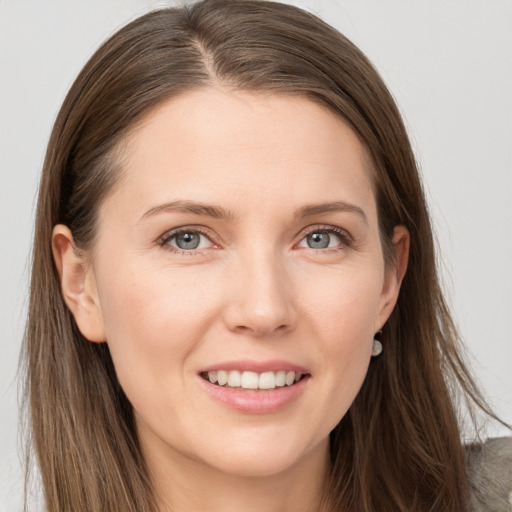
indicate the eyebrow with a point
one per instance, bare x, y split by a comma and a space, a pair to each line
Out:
183, 206
310, 210
217, 212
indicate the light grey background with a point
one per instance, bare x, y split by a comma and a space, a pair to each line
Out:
449, 65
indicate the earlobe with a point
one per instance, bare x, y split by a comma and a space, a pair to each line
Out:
394, 274
78, 284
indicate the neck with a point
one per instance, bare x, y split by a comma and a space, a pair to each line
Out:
186, 485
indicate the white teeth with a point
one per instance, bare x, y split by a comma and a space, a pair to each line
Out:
249, 380
280, 378
222, 378
234, 379
253, 380
267, 380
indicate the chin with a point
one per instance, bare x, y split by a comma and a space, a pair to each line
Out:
262, 458
255, 464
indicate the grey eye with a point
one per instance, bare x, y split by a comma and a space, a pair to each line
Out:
187, 240
318, 240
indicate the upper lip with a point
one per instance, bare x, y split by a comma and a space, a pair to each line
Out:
247, 365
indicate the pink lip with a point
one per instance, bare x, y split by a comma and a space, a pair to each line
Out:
273, 365
255, 401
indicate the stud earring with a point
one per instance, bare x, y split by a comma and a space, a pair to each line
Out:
376, 348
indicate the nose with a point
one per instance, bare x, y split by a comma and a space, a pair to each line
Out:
261, 301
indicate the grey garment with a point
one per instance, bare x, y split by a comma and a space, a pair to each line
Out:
490, 475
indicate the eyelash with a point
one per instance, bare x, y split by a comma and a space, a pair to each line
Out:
167, 237
345, 237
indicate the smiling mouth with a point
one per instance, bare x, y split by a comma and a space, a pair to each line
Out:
252, 380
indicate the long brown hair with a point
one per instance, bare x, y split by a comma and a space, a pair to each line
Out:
399, 446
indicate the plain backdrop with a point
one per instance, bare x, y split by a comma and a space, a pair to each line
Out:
448, 64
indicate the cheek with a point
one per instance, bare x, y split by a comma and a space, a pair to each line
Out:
342, 324
152, 321
344, 304
152, 302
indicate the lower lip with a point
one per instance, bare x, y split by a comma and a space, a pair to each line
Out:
256, 401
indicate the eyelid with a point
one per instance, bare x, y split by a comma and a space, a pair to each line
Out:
344, 235
163, 240
168, 235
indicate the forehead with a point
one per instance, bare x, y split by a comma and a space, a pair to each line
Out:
215, 144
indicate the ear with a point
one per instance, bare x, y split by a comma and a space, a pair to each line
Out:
78, 285
394, 274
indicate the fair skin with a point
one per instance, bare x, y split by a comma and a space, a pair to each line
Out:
260, 286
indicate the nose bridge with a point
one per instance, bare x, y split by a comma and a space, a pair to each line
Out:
262, 301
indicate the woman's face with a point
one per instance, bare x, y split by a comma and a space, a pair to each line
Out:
242, 240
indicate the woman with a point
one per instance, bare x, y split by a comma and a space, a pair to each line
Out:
234, 298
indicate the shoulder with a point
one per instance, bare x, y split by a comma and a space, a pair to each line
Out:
490, 475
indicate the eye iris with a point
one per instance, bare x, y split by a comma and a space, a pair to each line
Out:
318, 240
187, 240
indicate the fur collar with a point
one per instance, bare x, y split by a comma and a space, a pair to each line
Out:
490, 475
